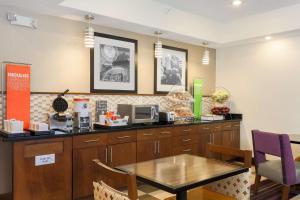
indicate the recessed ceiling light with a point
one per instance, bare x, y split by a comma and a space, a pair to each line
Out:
268, 37
237, 3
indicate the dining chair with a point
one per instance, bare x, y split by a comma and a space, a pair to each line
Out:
103, 191
233, 188
285, 171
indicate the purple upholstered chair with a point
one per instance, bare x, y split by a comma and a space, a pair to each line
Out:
285, 171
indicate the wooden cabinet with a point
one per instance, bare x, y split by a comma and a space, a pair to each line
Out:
186, 149
209, 134
85, 150
111, 149
154, 143
47, 181
236, 134
122, 154
146, 150
223, 133
185, 140
205, 137
122, 148
164, 148
72, 173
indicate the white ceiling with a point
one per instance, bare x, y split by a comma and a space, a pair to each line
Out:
223, 11
190, 21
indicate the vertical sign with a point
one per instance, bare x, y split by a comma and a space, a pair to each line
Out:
198, 83
18, 93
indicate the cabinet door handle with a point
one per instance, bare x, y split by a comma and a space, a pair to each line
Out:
154, 147
124, 137
187, 130
148, 134
91, 141
187, 150
165, 132
213, 138
186, 140
158, 147
111, 155
106, 155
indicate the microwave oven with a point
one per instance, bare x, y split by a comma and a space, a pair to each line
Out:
139, 113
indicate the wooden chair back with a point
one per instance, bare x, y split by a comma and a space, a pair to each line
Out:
246, 155
113, 174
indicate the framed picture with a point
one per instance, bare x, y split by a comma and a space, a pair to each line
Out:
170, 71
113, 64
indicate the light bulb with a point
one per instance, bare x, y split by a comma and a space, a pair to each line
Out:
268, 38
237, 3
205, 58
89, 39
158, 49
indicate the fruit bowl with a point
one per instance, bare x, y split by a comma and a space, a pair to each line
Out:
220, 110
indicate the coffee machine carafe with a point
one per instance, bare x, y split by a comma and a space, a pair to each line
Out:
82, 114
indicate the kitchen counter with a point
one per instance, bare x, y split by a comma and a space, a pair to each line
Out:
66, 156
11, 138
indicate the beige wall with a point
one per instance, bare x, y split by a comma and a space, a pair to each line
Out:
263, 79
61, 61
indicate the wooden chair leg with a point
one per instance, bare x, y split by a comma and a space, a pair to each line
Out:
285, 192
256, 183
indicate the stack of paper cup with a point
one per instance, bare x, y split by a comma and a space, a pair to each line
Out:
13, 126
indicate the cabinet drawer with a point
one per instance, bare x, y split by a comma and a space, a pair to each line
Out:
164, 132
227, 126
122, 137
185, 140
236, 124
186, 130
32, 150
89, 140
146, 134
205, 127
187, 149
217, 127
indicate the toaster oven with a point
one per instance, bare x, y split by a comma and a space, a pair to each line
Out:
139, 113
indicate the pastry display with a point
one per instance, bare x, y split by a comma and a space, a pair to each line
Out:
181, 103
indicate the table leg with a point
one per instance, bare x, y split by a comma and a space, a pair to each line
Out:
181, 195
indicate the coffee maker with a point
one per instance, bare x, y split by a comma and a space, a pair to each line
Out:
60, 120
82, 114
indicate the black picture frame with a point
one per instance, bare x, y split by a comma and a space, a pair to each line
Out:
92, 65
156, 91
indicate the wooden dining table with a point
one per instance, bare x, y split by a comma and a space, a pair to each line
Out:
178, 174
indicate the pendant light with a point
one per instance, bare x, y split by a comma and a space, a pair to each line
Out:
205, 58
158, 46
89, 39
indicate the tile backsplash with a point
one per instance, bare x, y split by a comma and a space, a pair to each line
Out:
41, 104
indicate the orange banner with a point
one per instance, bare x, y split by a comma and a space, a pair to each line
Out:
18, 93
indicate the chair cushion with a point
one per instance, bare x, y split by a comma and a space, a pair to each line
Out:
237, 186
105, 192
273, 170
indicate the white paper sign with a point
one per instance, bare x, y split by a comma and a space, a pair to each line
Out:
44, 159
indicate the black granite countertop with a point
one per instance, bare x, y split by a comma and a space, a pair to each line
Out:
57, 133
